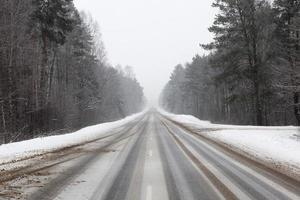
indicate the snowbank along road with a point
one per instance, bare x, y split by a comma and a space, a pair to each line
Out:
149, 158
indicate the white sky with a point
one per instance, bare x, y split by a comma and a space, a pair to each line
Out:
152, 36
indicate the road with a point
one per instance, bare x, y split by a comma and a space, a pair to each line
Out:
150, 158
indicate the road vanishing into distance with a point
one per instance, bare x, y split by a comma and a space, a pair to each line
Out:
150, 158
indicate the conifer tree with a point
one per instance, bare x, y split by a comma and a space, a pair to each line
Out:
287, 13
50, 21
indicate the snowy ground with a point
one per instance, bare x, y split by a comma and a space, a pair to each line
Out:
276, 147
20, 150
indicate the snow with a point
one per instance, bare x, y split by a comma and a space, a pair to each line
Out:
37, 146
277, 147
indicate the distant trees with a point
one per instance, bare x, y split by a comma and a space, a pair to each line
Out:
53, 72
173, 94
250, 76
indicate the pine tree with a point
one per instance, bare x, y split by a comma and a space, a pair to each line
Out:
50, 21
238, 41
287, 14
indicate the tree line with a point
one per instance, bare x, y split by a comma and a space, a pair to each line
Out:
54, 75
252, 74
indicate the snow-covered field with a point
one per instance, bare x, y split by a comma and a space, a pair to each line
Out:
28, 148
276, 147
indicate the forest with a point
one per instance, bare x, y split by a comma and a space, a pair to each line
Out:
54, 73
251, 75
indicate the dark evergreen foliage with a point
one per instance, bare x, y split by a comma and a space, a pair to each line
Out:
252, 75
53, 74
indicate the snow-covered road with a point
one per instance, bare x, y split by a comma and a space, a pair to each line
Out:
150, 156
275, 147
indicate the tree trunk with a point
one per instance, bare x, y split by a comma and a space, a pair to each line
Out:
3, 118
44, 73
297, 107
257, 99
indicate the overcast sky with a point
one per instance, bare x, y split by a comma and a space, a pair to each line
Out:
152, 36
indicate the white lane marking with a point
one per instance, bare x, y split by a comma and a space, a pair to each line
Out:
204, 177
149, 193
259, 176
231, 186
150, 153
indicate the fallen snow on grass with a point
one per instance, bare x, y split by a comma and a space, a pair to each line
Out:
24, 149
278, 147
